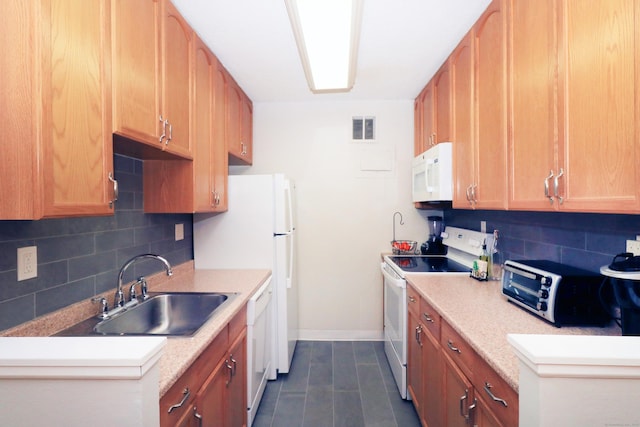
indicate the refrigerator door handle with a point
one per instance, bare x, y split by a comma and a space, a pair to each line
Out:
290, 269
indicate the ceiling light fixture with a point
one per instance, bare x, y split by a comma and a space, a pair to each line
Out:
327, 34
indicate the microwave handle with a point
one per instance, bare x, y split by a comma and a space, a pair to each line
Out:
520, 272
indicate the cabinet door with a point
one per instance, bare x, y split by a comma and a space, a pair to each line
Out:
176, 79
442, 89
461, 68
491, 103
234, 114
220, 150
415, 336
246, 129
203, 155
428, 121
136, 82
600, 80
237, 389
432, 381
211, 401
533, 110
457, 395
57, 134
418, 134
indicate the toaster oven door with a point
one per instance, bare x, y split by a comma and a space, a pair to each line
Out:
529, 289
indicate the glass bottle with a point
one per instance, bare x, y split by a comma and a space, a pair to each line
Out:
495, 270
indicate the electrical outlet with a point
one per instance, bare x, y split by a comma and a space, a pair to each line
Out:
633, 246
179, 232
483, 226
27, 262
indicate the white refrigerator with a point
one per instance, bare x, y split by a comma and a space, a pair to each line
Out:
257, 231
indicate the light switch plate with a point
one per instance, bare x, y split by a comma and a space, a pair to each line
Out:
27, 263
179, 232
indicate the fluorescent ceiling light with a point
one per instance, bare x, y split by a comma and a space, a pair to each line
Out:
327, 33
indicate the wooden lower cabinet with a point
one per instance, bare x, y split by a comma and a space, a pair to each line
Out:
451, 385
217, 384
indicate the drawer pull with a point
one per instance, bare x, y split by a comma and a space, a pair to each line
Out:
185, 395
487, 388
411, 299
452, 347
427, 317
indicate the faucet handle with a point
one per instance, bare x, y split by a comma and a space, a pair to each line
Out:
143, 289
104, 306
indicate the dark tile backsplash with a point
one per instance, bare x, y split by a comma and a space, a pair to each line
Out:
585, 240
80, 257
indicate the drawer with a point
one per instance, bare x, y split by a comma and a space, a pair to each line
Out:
413, 301
238, 322
430, 318
498, 396
457, 349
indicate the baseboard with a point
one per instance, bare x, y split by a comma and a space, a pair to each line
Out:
339, 335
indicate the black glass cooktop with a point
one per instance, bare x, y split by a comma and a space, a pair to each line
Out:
428, 264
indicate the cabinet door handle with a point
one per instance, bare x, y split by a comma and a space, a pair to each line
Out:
555, 186
427, 317
418, 333
185, 395
197, 416
469, 194
235, 365
115, 190
463, 399
474, 198
412, 299
452, 347
546, 187
230, 368
170, 133
164, 129
487, 388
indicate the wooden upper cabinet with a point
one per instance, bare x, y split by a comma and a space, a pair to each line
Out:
533, 114
442, 95
461, 66
600, 100
574, 106
151, 76
491, 107
185, 186
220, 147
57, 151
418, 134
428, 117
239, 124
176, 49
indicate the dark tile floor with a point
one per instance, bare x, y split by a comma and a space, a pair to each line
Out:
335, 384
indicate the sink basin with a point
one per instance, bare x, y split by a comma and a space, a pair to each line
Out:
172, 314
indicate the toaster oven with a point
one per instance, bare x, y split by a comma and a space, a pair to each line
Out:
558, 293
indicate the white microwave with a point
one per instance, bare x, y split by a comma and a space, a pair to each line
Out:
433, 174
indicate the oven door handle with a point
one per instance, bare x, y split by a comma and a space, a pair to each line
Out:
395, 281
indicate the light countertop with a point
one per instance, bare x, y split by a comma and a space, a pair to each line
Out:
179, 352
483, 317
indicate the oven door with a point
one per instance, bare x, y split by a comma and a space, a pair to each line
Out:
395, 326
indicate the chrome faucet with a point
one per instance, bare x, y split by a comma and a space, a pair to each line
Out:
119, 297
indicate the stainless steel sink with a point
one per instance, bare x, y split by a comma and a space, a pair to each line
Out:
171, 314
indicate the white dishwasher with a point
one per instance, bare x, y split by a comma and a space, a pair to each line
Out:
260, 336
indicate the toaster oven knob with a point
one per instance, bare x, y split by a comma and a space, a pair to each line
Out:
542, 306
543, 294
546, 281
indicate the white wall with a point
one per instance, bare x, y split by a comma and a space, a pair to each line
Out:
345, 214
